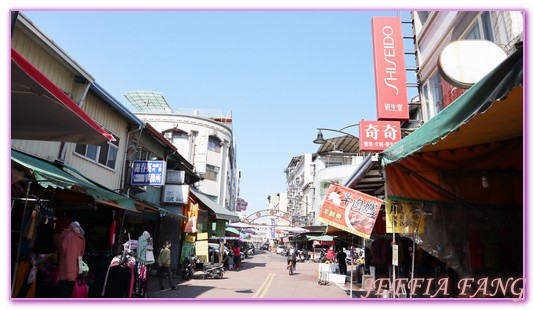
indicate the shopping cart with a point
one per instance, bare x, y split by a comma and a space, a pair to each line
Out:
323, 275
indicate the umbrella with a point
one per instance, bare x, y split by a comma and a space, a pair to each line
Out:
298, 230
239, 225
249, 231
233, 231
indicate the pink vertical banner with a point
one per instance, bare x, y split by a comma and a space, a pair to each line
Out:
389, 66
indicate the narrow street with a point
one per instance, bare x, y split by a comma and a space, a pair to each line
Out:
262, 276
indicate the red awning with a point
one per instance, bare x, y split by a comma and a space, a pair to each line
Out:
42, 111
322, 243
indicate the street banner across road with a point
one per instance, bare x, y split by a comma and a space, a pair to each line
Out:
350, 210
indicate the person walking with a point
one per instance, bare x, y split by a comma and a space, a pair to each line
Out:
237, 256
164, 260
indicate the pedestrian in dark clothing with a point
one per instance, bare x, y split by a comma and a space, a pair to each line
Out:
341, 258
164, 260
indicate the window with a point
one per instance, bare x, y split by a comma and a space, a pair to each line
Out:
105, 155
214, 144
436, 91
481, 29
330, 164
212, 173
423, 15
212, 197
143, 154
433, 96
324, 186
179, 136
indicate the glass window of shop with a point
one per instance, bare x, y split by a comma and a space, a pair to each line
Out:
105, 155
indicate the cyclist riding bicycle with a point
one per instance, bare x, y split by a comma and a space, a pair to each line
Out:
291, 257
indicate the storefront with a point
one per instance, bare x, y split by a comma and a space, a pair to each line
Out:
46, 200
202, 214
462, 175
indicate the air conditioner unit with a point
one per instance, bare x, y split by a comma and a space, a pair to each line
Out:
168, 135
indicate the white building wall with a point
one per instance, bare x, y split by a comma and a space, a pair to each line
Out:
196, 150
324, 176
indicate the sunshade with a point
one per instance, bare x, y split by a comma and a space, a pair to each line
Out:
239, 225
480, 133
220, 212
233, 231
297, 230
249, 231
40, 110
49, 175
491, 110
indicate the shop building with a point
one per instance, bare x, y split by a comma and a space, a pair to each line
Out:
72, 163
203, 137
437, 179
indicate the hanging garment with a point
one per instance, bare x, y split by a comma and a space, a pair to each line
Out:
145, 252
23, 288
71, 245
44, 240
80, 289
119, 281
112, 232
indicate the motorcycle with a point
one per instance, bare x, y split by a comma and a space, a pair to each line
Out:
302, 256
321, 258
192, 267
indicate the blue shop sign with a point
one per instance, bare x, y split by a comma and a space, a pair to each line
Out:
148, 172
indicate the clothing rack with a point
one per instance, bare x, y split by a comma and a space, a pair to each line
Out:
39, 206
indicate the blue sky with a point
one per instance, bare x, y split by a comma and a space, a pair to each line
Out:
281, 73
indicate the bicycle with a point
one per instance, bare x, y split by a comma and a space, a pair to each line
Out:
291, 267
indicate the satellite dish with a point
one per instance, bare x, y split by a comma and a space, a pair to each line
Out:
463, 63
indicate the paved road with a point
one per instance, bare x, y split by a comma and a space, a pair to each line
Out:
262, 276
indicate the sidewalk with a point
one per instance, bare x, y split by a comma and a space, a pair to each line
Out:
154, 283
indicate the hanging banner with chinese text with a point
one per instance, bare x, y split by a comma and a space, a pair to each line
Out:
350, 210
377, 136
389, 67
193, 213
407, 219
148, 172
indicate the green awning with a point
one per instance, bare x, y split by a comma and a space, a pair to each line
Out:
161, 210
479, 134
47, 174
220, 212
320, 238
491, 110
170, 213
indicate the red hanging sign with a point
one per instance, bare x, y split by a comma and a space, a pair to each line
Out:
389, 66
377, 136
350, 210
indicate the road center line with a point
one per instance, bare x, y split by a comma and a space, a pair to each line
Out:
265, 286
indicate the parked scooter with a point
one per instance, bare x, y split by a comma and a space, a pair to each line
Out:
193, 266
321, 258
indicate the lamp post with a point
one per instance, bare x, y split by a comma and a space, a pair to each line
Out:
321, 140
